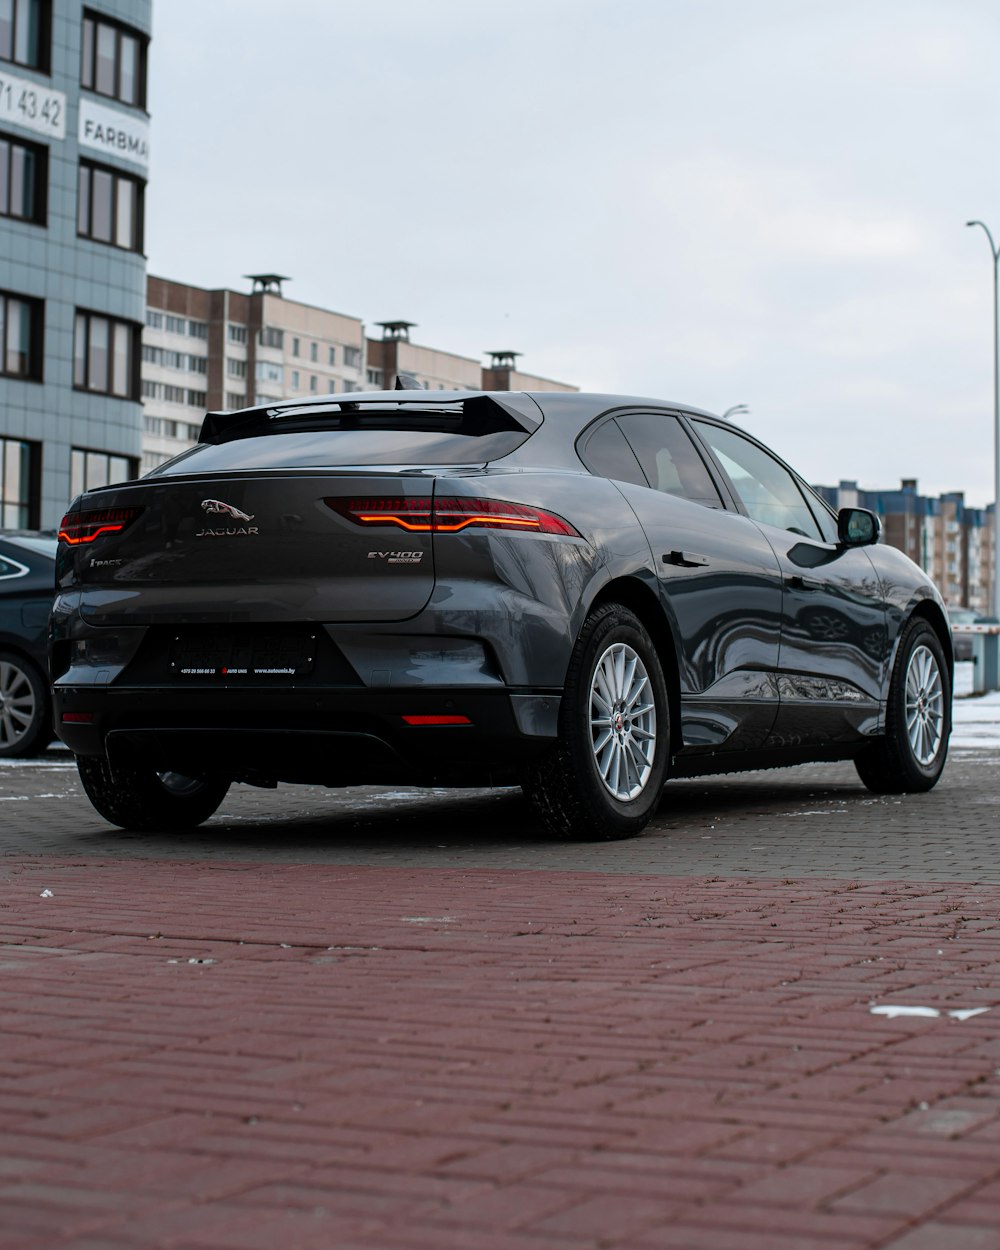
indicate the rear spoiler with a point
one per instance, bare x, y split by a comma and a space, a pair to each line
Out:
477, 414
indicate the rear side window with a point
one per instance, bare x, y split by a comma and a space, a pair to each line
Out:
607, 453
669, 458
336, 448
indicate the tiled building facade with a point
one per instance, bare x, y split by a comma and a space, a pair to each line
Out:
74, 154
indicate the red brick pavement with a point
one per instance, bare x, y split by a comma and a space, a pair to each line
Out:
244, 1057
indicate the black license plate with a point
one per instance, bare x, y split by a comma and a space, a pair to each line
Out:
241, 656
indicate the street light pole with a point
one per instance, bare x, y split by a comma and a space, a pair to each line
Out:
996, 417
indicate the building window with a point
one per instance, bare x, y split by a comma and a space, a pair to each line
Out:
175, 325
270, 337
313, 383
351, 386
295, 347
198, 329
25, 27
19, 483
234, 400
332, 388
21, 322
373, 377
104, 355
197, 399
269, 371
114, 60
236, 368
109, 209
333, 356
352, 357
90, 469
237, 334
24, 171
314, 352
154, 319
295, 379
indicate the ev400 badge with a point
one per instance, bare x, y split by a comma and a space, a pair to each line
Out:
230, 530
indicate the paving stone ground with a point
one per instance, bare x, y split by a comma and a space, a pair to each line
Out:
400, 1022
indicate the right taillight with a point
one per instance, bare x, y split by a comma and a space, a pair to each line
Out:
86, 526
450, 515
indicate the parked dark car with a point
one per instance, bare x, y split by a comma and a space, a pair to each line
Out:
27, 585
962, 643
585, 594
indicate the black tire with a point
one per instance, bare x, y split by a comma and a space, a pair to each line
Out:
566, 785
140, 798
25, 707
911, 755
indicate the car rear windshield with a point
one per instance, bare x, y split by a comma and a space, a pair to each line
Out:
400, 442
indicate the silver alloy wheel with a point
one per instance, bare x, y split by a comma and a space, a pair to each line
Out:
622, 722
924, 705
17, 703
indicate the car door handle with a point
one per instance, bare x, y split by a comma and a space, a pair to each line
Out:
684, 559
795, 582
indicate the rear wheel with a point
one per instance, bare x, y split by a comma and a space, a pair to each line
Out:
25, 707
140, 798
602, 779
918, 718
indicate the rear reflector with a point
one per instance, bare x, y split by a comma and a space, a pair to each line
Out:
78, 718
450, 515
86, 527
437, 720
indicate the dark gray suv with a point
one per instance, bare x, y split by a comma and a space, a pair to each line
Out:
585, 594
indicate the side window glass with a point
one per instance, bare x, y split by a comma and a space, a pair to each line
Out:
769, 492
9, 569
827, 522
608, 454
669, 458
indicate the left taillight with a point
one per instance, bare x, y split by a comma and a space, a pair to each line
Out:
86, 526
451, 515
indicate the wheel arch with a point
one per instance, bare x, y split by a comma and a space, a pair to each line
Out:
639, 598
930, 612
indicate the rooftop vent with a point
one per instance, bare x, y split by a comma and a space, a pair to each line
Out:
396, 331
266, 283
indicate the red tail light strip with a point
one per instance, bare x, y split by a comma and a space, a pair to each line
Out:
86, 527
437, 720
451, 515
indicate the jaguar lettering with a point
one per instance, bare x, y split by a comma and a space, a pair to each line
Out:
229, 531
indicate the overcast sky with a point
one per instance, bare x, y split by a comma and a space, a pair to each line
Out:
713, 201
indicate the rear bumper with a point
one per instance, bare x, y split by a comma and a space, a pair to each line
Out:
328, 736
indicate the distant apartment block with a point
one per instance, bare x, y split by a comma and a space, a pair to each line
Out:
216, 350
951, 542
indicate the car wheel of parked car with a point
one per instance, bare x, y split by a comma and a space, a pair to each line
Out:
602, 780
140, 798
25, 712
918, 718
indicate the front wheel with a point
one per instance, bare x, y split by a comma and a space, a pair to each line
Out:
602, 779
143, 799
911, 756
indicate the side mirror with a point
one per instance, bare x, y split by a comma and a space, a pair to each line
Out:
857, 527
